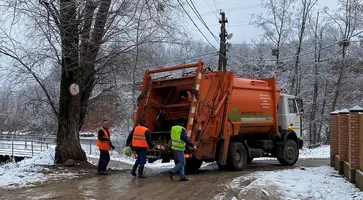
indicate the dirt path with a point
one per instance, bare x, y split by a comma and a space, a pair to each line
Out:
121, 185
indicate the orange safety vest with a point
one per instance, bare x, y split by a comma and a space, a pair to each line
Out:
104, 145
139, 138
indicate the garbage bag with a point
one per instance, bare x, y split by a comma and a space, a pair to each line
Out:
127, 151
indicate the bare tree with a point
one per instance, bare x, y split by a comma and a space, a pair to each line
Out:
276, 27
80, 35
307, 6
348, 22
318, 32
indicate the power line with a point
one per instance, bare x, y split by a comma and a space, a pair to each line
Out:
303, 54
198, 56
199, 28
196, 12
293, 44
234, 9
219, 4
211, 8
215, 5
230, 25
196, 25
325, 47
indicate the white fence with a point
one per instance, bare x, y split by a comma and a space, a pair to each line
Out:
22, 148
30, 148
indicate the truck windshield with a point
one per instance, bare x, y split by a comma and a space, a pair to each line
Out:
292, 106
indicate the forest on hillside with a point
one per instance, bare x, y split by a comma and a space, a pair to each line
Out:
315, 55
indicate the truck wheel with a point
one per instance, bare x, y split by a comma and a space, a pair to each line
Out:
237, 156
192, 165
290, 152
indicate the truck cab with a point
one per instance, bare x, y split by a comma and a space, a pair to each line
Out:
289, 116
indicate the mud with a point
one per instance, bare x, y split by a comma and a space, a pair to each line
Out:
206, 184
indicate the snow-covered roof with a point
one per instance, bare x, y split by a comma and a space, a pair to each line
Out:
335, 112
356, 109
344, 111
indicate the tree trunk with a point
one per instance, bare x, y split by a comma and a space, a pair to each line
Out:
312, 125
322, 111
68, 145
136, 61
296, 78
348, 29
339, 81
78, 66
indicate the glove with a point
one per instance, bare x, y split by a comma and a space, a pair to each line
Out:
113, 147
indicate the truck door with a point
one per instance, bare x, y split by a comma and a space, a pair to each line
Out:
294, 117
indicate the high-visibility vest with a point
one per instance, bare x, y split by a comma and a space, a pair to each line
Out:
139, 138
176, 143
104, 145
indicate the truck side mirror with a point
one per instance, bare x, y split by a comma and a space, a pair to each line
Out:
301, 105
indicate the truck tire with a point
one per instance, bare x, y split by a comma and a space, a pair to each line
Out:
237, 156
290, 153
192, 165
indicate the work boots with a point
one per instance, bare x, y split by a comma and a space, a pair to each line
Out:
133, 171
141, 172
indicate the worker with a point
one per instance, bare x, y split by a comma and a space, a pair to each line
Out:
140, 140
104, 145
179, 140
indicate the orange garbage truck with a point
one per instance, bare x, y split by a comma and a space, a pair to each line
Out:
231, 120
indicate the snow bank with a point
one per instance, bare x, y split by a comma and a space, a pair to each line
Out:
316, 153
115, 156
321, 152
29, 170
131, 160
312, 183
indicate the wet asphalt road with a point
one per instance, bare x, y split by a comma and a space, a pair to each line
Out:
206, 184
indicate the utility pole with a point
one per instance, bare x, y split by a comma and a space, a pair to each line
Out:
222, 64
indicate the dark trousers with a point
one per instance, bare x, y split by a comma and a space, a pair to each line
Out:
181, 163
103, 161
141, 160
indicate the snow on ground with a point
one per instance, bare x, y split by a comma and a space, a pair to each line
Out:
318, 183
93, 152
130, 160
29, 170
316, 153
115, 156
306, 153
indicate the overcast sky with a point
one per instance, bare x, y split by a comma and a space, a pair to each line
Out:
239, 14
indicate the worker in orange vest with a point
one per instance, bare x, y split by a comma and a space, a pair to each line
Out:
104, 145
140, 140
